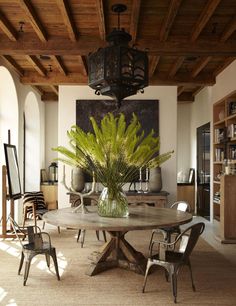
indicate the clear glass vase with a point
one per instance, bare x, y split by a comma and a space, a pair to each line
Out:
113, 204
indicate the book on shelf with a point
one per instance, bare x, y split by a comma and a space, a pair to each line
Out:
219, 154
231, 130
232, 152
220, 135
232, 108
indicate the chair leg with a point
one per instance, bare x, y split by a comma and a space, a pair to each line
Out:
104, 236
27, 268
79, 232
191, 274
47, 259
82, 233
82, 237
174, 283
58, 228
97, 234
43, 225
54, 257
149, 264
21, 262
150, 243
167, 275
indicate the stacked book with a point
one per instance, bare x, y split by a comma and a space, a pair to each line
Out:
231, 130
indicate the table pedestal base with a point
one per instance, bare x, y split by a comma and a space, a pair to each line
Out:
117, 253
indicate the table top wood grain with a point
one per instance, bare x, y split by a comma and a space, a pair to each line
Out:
139, 218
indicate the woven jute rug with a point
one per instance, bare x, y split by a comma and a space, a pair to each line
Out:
214, 276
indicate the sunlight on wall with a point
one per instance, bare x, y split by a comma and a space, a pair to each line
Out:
8, 116
32, 143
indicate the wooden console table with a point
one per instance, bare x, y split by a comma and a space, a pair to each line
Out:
158, 199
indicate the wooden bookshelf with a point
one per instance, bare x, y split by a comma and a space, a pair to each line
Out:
224, 150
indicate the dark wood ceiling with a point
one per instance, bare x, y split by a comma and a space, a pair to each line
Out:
47, 42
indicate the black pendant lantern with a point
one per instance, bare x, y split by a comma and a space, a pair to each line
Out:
117, 70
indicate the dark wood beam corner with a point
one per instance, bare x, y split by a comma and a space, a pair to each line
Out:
12, 64
101, 19
33, 60
153, 63
34, 20
68, 19
185, 97
49, 96
134, 20
7, 28
169, 19
204, 17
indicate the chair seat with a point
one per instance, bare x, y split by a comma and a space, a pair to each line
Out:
31, 247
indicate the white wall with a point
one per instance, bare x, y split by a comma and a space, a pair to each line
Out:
167, 124
51, 131
32, 143
183, 139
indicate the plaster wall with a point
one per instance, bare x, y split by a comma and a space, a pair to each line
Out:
51, 131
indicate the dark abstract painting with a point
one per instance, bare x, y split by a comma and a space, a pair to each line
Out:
147, 112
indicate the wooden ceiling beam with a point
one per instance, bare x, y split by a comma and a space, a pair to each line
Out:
180, 90
38, 89
54, 78
11, 63
153, 63
134, 20
7, 28
85, 45
58, 62
37, 65
101, 19
54, 89
223, 65
176, 66
185, 97
169, 19
34, 20
204, 18
229, 30
200, 66
196, 91
49, 96
67, 17
83, 63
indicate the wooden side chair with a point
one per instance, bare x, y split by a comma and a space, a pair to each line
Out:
168, 231
172, 255
38, 243
34, 207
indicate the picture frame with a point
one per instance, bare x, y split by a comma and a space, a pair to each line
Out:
13, 175
191, 176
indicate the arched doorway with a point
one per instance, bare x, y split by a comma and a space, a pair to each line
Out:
9, 116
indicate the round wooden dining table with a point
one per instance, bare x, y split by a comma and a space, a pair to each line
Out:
117, 251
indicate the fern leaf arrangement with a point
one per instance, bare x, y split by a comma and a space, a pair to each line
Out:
113, 152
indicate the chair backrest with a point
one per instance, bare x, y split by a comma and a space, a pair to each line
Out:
193, 232
181, 205
35, 197
18, 231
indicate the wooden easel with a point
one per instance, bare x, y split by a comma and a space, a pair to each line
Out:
5, 198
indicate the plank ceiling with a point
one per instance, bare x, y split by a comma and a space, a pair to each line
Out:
47, 42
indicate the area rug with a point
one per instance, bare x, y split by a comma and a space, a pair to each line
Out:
214, 276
